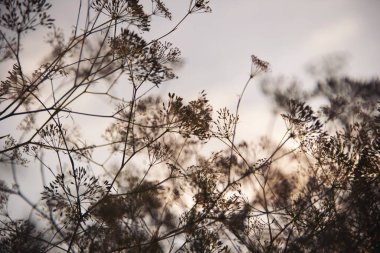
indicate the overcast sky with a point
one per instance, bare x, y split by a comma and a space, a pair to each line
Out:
216, 47
289, 34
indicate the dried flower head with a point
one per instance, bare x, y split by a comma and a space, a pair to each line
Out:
258, 66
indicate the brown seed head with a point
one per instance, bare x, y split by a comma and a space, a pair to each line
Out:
259, 65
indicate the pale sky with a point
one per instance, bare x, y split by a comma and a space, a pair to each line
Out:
216, 47
289, 34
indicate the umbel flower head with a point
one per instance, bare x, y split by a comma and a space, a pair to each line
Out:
258, 66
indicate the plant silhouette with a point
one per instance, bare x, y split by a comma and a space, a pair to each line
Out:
142, 184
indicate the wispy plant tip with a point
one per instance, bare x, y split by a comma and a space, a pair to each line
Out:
258, 66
